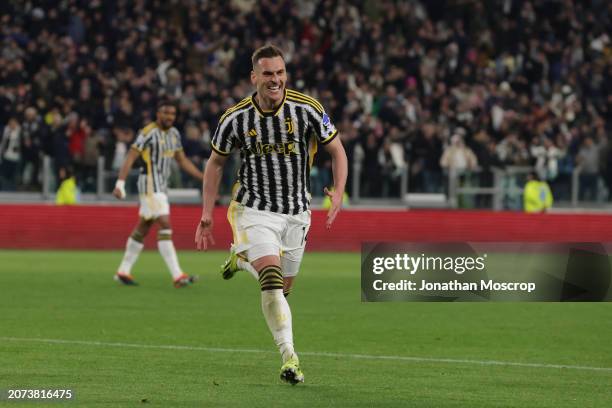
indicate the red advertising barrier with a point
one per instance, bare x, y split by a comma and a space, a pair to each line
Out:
107, 227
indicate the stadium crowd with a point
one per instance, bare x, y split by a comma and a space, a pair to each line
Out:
426, 86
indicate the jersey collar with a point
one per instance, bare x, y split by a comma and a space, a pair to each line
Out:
268, 113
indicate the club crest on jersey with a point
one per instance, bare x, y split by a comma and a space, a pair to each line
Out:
289, 125
286, 148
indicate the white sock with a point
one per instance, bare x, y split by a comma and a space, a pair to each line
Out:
246, 265
167, 251
278, 316
132, 250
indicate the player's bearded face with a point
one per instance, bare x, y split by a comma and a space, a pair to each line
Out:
166, 116
270, 77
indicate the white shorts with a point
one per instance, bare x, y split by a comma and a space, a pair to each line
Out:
260, 233
153, 205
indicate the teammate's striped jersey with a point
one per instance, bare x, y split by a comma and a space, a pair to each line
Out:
157, 148
276, 148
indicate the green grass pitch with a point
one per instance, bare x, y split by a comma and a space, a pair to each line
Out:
208, 345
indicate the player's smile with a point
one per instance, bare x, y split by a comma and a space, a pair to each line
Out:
275, 90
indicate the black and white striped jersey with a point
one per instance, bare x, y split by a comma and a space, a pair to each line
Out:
276, 150
157, 148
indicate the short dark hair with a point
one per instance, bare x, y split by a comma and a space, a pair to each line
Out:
267, 51
534, 175
166, 102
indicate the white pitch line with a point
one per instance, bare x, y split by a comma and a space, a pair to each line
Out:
310, 353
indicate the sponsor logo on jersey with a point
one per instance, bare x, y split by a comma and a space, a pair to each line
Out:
286, 148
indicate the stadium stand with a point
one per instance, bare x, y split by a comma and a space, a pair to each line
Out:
513, 82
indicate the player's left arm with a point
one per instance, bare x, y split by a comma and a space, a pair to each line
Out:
187, 165
340, 172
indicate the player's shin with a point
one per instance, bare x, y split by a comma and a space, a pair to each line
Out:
133, 247
276, 310
167, 251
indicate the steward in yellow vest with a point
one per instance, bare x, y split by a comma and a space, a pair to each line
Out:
537, 197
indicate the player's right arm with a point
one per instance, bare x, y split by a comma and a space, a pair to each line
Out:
131, 157
222, 143
210, 188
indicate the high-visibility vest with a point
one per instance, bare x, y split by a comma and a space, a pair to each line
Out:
67, 193
537, 196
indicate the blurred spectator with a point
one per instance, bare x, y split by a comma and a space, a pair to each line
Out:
606, 166
371, 171
197, 150
426, 153
33, 136
459, 160
562, 184
89, 161
392, 163
123, 139
588, 162
512, 151
10, 154
320, 173
78, 131
546, 156
486, 154
60, 144
457, 156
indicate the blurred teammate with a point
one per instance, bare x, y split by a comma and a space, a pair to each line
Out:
157, 145
277, 131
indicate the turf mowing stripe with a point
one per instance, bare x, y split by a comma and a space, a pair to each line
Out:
310, 353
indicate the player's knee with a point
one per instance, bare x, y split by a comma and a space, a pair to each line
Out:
164, 222
137, 236
271, 278
287, 285
164, 235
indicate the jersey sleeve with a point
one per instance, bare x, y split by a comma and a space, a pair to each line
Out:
323, 127
142, 141
178, 144
224, 139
